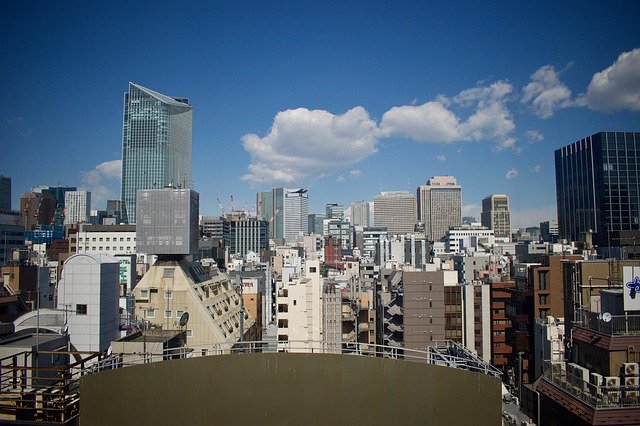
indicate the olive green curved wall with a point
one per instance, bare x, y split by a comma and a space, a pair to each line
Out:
289, 389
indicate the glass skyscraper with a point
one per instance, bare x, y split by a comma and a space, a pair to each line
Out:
598, 185
156, 144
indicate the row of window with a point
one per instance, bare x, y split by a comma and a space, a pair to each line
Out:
81, 239
151, 313
128, 249
144, 294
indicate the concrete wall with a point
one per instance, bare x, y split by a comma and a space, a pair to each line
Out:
289, 389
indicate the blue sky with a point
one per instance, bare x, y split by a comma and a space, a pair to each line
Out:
342, 98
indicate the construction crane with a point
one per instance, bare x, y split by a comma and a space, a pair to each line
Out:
222, 214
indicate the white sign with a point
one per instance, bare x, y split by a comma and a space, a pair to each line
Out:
631, 285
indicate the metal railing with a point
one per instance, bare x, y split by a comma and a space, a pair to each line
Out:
615, 325
447, 354
594, 395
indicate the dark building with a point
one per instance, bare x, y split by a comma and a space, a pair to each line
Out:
598, 187
248, 235
5, 192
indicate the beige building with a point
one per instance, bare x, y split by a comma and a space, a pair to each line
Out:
171, 288
439, 206
396, 211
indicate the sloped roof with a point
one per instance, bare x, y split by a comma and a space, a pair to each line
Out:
163, 98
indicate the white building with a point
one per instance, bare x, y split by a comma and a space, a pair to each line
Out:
548, 342
296, 214
299, 306
468, 238
88, 292
439, 206
476, 318
77, 207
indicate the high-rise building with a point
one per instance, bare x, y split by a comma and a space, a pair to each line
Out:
598, 186
334, 211
360, 213
248, 235
396, 211
296, 213
270, 207
58, 193
37, 208
156, 144
549, 231
439, 206
77, 207
497, 216
316, 221
5, 192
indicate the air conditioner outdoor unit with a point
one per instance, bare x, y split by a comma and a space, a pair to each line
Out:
612, 397
597, 379
572, 373
630, 368
612, 381
559, 368
581, 376
631, 381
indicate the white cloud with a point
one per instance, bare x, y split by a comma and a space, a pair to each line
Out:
102, 182
435, 121
355, 173
441, 158
306, 143
507, 143
340, 178
546, 93
534, 136
512, 174
459, 151
537, 168
618, 86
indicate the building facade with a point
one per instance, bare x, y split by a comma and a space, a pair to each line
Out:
270, 207
5, 192
77, 207
359, 215
497, 216
439, 206
296, 214
396, 211
156, 144
598, 186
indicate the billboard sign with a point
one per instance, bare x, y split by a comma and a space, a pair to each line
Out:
631, 282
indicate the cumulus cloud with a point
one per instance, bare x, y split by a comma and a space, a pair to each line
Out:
618, 86
355, 173
341, 178
537, 168
546, 93
441, 158
101, 181
534, 136
305, 143
512, 174
436, 121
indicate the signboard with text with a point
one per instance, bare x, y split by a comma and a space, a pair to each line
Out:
631, 284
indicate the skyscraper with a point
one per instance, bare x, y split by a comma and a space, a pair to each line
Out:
439, 206
598, 186
156, 144
270, 207
497, 216
396, 211
360, 213
5, 192
296, 213
77, 207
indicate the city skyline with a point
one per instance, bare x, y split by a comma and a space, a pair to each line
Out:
340, 100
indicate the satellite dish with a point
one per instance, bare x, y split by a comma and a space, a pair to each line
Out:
109, 351
184, 319
606, 317
64, 329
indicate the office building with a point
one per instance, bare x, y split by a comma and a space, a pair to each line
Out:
360, 213
77, 207
439, 206
37, 208
549, 231
316, 223
396, 211
58, 193
598, 187
11, 235
5, 192
168, 221
156, 144
270, 207
497, 216
334, 211
248, 235
296, 214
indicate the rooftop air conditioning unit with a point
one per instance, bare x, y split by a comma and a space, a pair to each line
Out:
582, 376
597, 382
631, 381
630, 368
572, 373
612, 381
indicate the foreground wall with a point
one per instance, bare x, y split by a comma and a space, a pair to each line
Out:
289, 389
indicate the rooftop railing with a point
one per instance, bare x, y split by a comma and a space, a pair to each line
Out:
614, 325
596, 395
446, 353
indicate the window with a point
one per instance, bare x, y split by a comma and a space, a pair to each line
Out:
168, 273
81, 309
312, 269
144, 294
189, 333
294, 302
168, 314
168, 295
179, 314
150, 313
